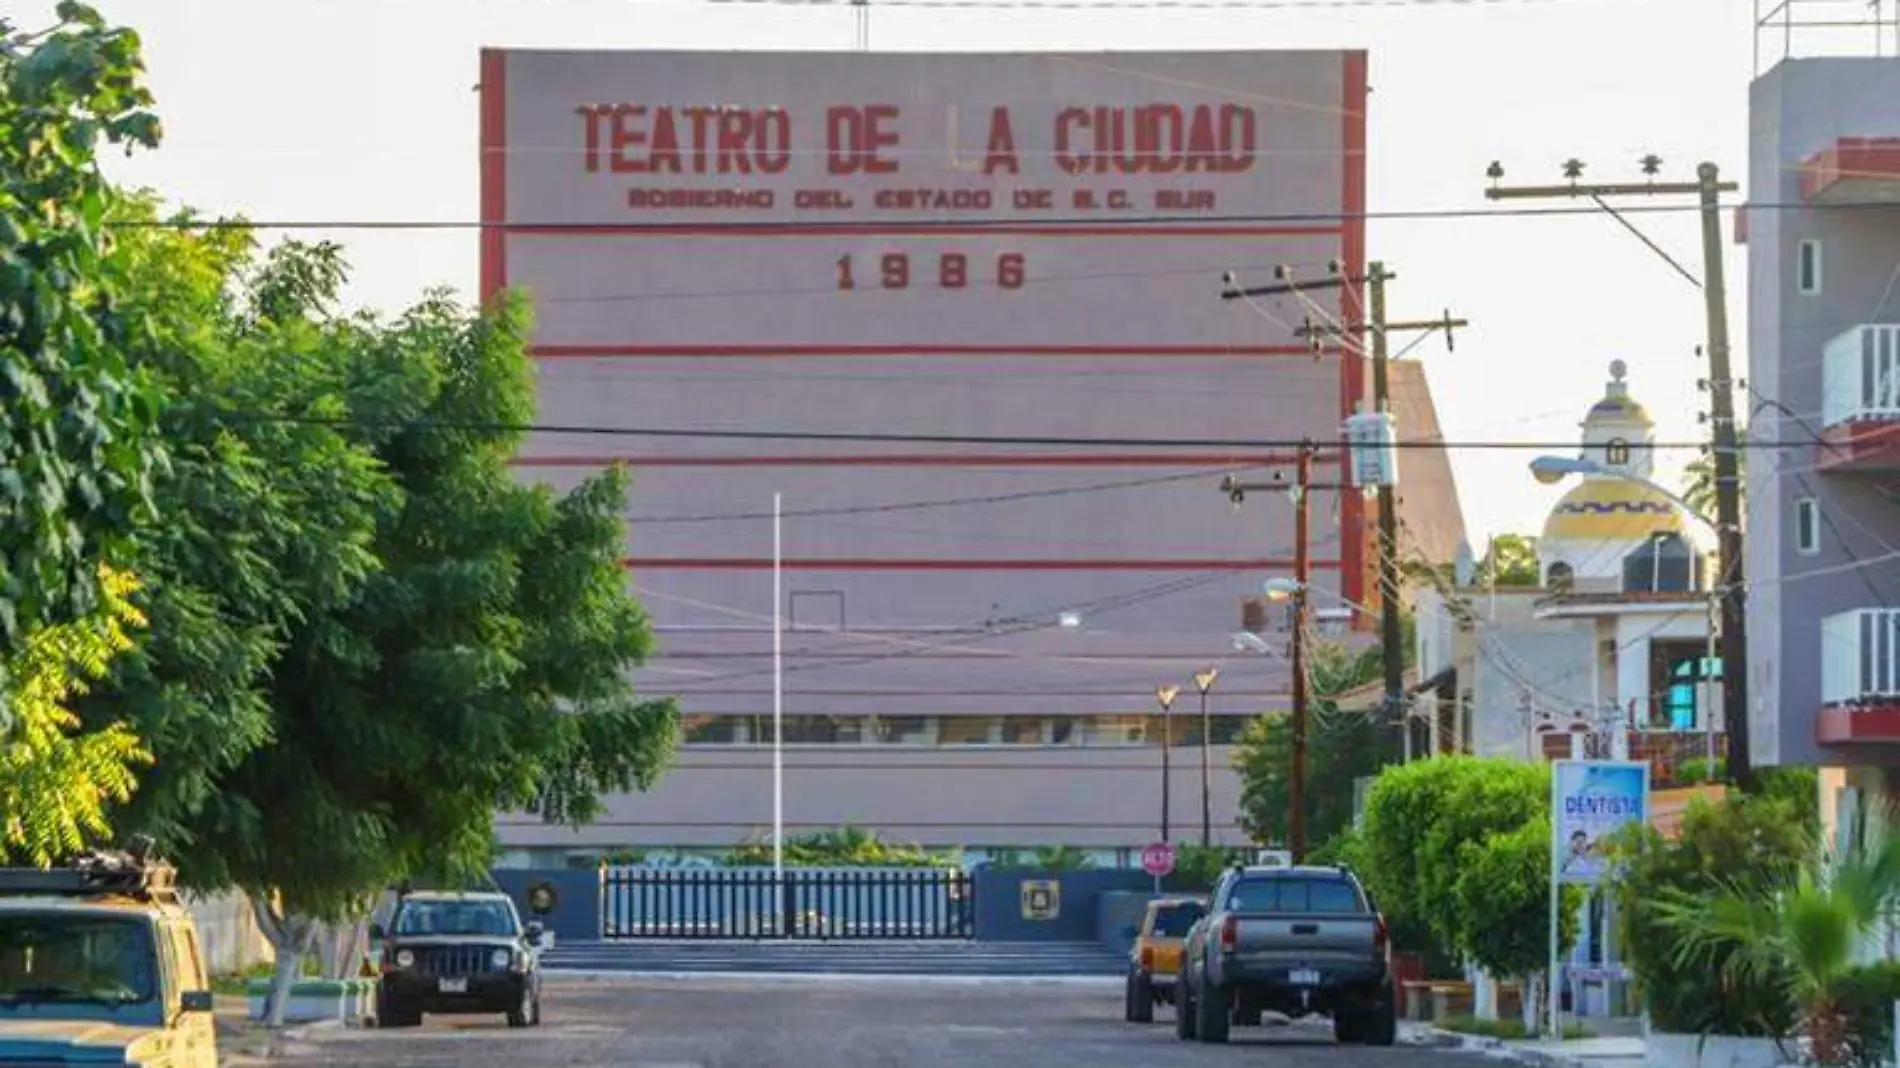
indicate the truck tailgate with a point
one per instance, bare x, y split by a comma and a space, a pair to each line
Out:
1319, 941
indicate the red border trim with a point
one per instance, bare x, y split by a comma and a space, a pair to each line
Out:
1190, 460
494, 163
597, 352
1874, 722
1850, 159
1186, 228
1352, 387
762, 563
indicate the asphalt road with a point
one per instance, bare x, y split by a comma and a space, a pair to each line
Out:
813, 1023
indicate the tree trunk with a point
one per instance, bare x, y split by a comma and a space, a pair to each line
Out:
290, 939
1534, 1003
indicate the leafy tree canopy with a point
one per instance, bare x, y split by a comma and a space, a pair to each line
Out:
56, 780
1343, 746
77, 447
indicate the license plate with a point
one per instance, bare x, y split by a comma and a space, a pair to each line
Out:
454, 986
1303, 977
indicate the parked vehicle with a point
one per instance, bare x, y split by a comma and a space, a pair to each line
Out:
1154, 961
1293, 940
458, 953
100, 964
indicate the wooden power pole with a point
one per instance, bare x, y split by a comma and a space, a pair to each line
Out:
1733, 589
1392, 638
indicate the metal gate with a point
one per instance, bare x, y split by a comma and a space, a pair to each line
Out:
808, 903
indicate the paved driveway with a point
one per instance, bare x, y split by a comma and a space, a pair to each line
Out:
813, 1023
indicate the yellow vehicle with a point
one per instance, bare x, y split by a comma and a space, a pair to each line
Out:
1154, 962
100, 964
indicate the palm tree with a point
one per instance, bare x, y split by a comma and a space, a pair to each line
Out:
1801, 936
1699, 489
1062, 858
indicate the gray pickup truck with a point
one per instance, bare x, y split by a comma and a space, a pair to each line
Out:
1290, 940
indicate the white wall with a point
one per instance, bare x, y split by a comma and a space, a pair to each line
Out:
1552, 661
227, 931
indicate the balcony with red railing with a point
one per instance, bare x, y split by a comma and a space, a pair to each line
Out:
1860, 400
1860, 677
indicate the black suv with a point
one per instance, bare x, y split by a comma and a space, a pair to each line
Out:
458, 953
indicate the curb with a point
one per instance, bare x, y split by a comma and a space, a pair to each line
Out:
1497, 1049
1088, 981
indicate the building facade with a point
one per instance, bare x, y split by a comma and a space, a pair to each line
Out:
1610, 655
1822, 229
907, 295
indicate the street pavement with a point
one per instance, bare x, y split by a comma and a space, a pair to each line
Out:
809, 1022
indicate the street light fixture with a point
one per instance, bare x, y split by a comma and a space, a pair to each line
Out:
1164, 696
1203, 682
1247, 641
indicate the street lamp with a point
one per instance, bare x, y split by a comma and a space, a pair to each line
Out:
1165, 695
1247, 641
1204, 681
1282, 589
1550, 470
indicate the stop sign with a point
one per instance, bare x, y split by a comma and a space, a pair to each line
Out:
1158, 859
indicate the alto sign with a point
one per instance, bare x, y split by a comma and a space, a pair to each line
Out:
1158, 859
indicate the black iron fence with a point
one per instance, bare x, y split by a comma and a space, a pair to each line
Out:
805, 903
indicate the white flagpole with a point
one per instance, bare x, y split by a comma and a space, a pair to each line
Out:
778, 697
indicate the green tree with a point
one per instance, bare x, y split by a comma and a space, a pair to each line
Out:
1799, 933
77, 447
1502, 898
1748, 843
1343, 746
375, 636
846, 847
1511, 560
1483, 797
57, 780
1699, 478
1400, 811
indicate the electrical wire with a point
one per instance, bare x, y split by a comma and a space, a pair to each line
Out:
1186, 223
1319, 445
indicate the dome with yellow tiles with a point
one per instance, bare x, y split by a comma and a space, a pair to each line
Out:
1606, 509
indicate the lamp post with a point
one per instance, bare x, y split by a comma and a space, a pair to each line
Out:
1552, 469
1279, 590
1203, 682
1165, 695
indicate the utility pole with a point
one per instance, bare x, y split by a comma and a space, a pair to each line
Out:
1732, 586
1296, 779
1302, 493
1391, 631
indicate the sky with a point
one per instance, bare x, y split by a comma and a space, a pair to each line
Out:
365, 109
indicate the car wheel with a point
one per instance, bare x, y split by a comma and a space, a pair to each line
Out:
523, 1014
1380, 1024
1183, 1010
1141, 999
1347, 1026
1213, 1013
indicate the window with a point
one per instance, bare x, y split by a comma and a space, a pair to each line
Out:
1808, 267
1666, 564
1297, 895
1173, 921
1677, 670
1807, 526
1560, 577
1617, 453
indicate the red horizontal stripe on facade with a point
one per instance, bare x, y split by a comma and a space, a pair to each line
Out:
744, 563
598, 352
918, 460
898, 229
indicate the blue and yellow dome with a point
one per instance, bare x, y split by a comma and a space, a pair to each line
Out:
1606, 509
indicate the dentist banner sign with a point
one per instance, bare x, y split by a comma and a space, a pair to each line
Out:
1591, 800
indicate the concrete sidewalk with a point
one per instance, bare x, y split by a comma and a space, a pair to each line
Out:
1625, 1051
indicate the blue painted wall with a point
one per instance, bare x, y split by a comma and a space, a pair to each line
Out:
999, 903
576, 916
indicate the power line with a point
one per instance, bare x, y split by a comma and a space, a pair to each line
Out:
486, 427
976, 225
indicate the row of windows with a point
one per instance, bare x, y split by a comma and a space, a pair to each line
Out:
953, 731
